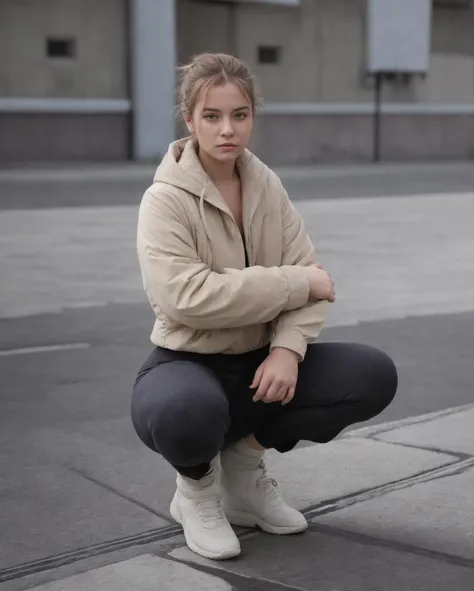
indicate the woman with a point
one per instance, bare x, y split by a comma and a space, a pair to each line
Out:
239, 300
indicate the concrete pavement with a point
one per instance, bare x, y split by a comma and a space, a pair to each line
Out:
390, 507
83, 505
385, 255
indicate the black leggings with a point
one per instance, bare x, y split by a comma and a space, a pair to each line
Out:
189, 406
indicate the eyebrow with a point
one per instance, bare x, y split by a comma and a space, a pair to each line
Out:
245, 108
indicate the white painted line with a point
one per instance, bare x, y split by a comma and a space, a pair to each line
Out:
44, 349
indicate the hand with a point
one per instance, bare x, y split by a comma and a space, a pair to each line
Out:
321, 286
276, 377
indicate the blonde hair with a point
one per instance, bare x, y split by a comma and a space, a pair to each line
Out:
214, 69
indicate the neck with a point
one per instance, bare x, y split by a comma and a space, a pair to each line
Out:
217, 171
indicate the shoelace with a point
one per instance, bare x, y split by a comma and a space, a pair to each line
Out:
210, 509
267, 485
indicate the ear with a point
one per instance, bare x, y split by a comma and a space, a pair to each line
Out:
189, 123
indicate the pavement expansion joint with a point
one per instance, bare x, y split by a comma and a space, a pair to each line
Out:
167, 532
238, 581
461, 456
120, 494
374, 430
450, 469
391, 544
171, 531
65, 558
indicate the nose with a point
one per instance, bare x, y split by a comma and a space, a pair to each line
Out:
227, 128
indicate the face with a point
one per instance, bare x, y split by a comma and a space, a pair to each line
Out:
222, 122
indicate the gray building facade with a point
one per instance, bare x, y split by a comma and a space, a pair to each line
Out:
89, 80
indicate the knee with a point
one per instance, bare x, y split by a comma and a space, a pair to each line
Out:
371, 380
188, 435
187, 429
381, 379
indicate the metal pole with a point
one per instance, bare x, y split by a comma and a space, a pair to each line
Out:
378, 116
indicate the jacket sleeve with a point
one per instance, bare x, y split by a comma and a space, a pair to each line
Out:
180, 284
295, 329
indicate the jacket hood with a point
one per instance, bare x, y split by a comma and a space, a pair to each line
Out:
182, 169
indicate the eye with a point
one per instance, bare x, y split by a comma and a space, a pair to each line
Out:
210, 117
241, 116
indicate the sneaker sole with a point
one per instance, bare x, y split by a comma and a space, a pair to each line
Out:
243, 519
224, 555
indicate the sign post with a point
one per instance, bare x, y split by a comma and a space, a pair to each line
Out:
399, 43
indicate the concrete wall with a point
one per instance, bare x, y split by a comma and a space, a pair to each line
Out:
323, 50
323, 97
99, 71
283, 140
296, 32
319, 101
60, 137
204, 26
100, 32
451, 76
322, 46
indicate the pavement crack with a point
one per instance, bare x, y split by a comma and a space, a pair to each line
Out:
376, 430
345, 501
392, 545
462, 469
114, 491
461, 456
238, 581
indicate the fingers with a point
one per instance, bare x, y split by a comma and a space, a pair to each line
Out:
321, 268
273, 391
263, 387
276, 392
289, 396
274, 381
257, 378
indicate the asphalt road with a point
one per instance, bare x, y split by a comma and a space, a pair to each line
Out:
125, 186
433, 354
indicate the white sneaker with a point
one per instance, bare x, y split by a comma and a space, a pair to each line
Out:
197, 507
251, 498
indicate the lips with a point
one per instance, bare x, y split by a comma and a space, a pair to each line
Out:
227, 146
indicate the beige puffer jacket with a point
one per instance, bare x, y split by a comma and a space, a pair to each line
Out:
192, 260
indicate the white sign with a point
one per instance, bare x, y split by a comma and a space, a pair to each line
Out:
399, 36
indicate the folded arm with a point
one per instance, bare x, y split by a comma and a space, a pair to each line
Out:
180, 284
295, 329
